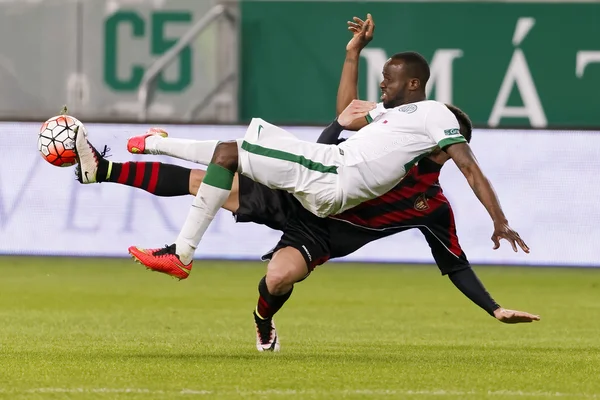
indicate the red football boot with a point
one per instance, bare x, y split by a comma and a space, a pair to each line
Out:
137, 144
163, 260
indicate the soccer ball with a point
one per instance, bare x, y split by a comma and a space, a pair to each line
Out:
56, 141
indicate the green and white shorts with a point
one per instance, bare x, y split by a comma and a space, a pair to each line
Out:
277, 159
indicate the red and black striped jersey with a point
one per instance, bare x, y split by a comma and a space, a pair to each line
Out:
418, 195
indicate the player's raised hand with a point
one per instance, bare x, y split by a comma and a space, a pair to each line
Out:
362, 33
514, 317
355, 110
503, 231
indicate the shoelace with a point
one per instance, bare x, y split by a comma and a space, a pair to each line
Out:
102, 154
167, 250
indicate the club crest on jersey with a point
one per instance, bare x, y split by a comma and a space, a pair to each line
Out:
409, 108
421, 203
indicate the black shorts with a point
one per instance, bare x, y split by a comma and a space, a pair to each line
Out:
321, 239
281, 211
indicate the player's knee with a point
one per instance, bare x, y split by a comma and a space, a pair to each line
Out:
226, 155
280, 280
196, 178
285, 269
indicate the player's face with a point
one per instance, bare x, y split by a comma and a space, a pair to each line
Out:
394, 86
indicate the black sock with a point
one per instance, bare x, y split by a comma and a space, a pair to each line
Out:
157, 178
269, 304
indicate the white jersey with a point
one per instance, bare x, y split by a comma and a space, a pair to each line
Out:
329, 179
379, 155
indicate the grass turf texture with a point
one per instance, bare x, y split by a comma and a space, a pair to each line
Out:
108, 329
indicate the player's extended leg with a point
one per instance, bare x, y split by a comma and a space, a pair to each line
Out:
452, 261
217, 185
155, 141
154, 177
160, 179
274, 166
287, 266
157, 178
213, 193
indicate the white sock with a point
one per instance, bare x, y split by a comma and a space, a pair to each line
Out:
198, 151
212, 194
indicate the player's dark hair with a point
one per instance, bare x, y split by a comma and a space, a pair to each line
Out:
466, 126
417, 66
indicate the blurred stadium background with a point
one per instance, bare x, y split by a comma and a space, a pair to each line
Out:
527, 73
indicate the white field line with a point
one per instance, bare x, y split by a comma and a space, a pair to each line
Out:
293, 392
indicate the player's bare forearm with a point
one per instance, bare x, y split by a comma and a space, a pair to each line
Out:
348, 88
485, 193
465, 160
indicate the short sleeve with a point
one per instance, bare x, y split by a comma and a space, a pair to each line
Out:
376, 112
442, 126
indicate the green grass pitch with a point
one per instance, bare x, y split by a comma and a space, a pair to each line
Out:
108, 329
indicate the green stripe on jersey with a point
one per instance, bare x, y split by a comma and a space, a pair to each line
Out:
218, 177
451, 140
369, 118
412, 162
282, 155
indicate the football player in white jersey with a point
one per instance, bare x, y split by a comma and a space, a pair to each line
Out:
329, 179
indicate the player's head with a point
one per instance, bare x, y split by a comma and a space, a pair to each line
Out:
466, 126
405, 76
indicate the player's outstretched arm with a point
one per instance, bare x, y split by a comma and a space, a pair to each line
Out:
467, 163
469, 284
362, 34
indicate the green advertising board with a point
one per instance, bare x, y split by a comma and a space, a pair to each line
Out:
506, 64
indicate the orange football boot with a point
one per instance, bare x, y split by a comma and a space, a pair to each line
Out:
163, 260
137, 144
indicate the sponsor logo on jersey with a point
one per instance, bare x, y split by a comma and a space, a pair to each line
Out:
421, 203
453, 131
409, 108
